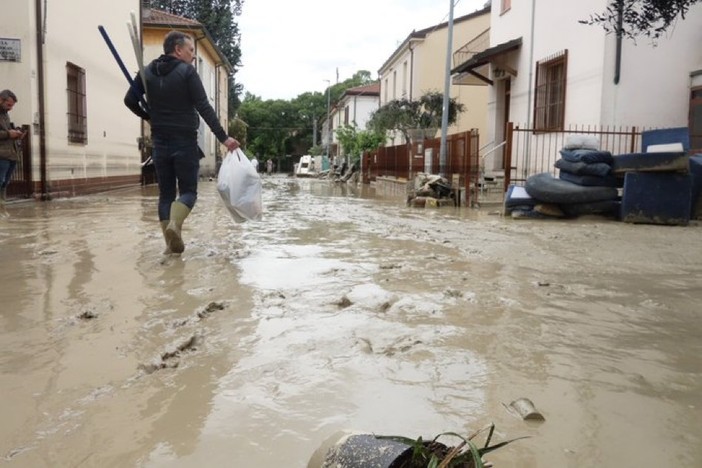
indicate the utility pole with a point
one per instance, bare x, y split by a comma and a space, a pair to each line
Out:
447, 87
329, 139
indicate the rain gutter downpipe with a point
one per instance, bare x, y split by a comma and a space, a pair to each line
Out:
411, 74
41, 103
618, 58
529, 95
447, 88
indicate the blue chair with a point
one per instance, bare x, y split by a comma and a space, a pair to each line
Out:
668, 161
666, 135
658, 186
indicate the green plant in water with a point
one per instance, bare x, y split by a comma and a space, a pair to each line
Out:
434, 454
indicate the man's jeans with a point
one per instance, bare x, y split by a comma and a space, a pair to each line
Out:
7, 167
176, 159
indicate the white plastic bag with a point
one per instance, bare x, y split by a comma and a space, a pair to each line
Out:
239, 185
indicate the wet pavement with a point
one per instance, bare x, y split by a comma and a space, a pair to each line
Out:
342, 310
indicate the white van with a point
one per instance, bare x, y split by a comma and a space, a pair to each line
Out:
305, 167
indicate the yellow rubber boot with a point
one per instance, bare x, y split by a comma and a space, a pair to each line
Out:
179, 212
164, 225
3, 199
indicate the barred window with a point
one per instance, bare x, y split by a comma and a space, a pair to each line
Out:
549, 99
76, 114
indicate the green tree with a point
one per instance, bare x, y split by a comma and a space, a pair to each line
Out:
632, 18
218, 16
354, 142
268, 125
279, 127
404, 115
311, 107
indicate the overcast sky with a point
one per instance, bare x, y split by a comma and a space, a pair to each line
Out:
291, 46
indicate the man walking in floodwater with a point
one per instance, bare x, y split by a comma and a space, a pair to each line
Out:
9, 143
175, 98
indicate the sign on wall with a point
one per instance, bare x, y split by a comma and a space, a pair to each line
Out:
10, 50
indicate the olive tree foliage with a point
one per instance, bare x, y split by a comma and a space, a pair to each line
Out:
404, 115
355, 142
219, 17
633, 18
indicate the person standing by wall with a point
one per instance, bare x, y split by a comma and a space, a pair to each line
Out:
10, 138
269, 167
176, 96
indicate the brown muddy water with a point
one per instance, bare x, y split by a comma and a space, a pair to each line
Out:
342, 311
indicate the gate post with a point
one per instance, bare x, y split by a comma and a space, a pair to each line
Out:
507, 157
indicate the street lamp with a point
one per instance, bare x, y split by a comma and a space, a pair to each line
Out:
328, 119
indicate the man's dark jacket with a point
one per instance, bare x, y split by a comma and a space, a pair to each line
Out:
175, 97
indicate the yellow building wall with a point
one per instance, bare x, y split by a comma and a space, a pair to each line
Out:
426, 71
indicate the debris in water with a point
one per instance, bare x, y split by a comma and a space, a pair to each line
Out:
171, 359
525, 408
344, 302
87, 315
210, 308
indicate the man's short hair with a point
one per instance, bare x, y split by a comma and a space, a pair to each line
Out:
173, 39
7, 94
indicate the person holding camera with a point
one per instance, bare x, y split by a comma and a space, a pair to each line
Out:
10, 138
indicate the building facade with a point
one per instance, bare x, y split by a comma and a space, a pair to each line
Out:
70, 89
547, 71
70, 92
354, 108
418, 66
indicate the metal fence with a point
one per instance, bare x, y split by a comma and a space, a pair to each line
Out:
529, 152
405, 161
21, 180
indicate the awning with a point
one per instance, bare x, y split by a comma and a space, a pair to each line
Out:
490, 55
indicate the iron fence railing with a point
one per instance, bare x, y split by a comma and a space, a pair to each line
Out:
529, 152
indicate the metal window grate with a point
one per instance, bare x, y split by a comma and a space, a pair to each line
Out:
550, 92
76, 109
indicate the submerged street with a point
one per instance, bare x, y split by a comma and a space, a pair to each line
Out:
342, 310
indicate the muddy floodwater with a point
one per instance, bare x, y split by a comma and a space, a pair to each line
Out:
342, 311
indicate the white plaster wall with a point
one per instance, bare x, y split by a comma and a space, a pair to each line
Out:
654, 86
72, 36
556, 28
361, 109
396, 66
16, 22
